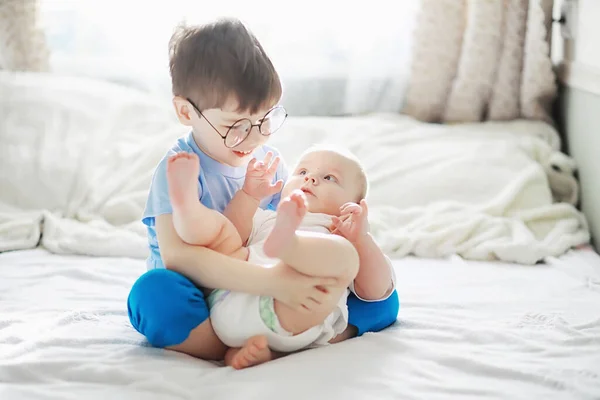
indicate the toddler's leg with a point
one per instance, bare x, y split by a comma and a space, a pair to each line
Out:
171, 312
311, 254
196, 224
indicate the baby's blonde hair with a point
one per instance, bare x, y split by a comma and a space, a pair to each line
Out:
348, 155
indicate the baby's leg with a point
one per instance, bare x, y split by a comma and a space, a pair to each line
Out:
311, 254
194, 223
255, 351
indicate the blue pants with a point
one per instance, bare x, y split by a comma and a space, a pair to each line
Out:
165, 306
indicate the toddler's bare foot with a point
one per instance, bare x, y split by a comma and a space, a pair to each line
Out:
182, 175
290, 213
255, 351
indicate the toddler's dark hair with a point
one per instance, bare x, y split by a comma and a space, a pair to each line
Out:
213, 63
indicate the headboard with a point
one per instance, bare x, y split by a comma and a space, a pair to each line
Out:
579, 116
578, 106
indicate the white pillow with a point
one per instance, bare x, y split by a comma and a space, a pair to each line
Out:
483, 190
67, 145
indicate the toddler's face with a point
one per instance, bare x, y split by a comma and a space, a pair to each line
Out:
222, 119
327, 179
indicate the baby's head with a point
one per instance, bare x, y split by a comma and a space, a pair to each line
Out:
330, 177
224, 86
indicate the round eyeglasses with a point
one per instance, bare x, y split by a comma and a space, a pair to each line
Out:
240, 129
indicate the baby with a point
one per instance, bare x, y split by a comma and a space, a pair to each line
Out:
324, 195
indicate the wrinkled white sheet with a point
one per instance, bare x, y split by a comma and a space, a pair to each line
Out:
465, 330
77, 157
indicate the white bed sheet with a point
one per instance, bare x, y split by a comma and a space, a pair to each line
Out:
465, 330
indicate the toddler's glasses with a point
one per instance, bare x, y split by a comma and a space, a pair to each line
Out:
240, 130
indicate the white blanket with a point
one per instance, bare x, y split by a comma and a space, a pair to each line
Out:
466, 330
81, 154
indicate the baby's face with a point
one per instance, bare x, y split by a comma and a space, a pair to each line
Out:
327, 179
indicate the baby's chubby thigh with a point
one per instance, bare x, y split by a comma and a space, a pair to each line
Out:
232, 244
227, 240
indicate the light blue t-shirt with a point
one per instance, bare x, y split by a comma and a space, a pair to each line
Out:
217, 185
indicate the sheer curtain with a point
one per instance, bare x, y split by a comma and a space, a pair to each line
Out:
333, 58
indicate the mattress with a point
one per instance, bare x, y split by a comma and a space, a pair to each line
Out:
482, 330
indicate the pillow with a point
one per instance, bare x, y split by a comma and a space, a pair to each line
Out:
482, 190
67, 145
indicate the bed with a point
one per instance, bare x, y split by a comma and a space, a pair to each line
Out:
466, 329
499, 287
479, 218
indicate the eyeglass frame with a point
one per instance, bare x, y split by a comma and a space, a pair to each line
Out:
241, 119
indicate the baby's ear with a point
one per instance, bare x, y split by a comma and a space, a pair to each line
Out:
184, 110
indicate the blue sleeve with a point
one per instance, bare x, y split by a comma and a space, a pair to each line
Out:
158, 201
282, 173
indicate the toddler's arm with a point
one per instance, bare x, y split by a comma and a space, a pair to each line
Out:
209, 269
257, 185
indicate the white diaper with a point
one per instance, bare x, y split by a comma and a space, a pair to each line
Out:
238, 316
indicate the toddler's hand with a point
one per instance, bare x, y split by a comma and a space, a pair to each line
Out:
298, 291
353, 222
259, 178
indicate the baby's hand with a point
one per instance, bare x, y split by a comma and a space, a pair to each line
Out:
259, 178
353, 222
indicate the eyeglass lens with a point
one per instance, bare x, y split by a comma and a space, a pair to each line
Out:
272, 121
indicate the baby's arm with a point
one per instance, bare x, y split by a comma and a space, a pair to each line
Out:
257, 185
240, 211
374, 278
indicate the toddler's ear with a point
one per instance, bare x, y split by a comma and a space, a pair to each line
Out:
184, 110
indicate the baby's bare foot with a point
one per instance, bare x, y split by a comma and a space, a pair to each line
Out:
290, 213
255, 351
182, 175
